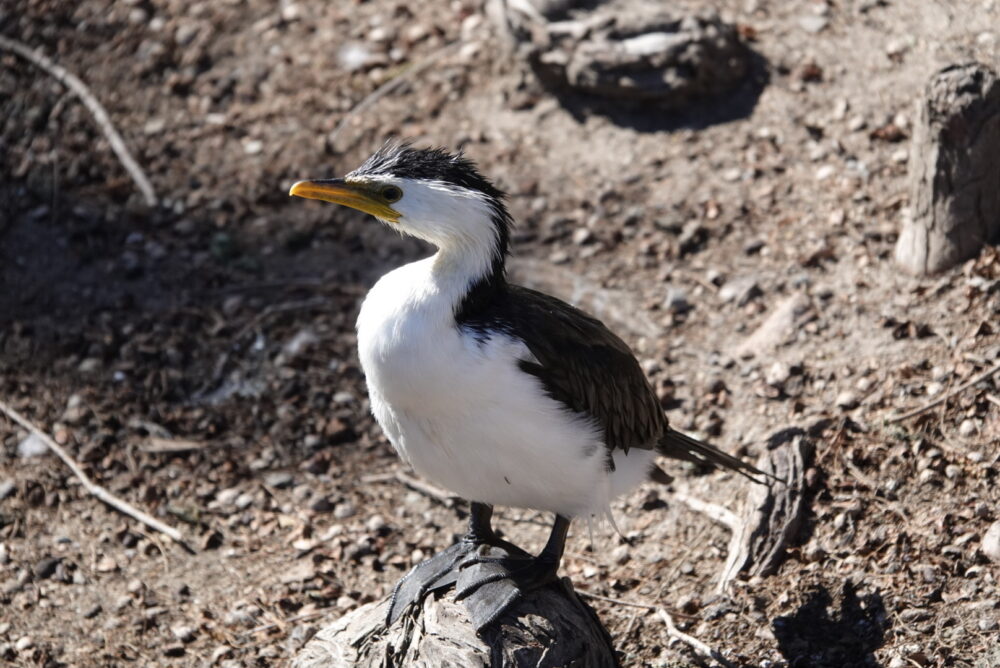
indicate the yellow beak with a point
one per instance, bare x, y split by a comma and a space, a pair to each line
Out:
355, 195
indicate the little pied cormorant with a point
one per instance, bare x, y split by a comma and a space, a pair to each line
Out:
501, 394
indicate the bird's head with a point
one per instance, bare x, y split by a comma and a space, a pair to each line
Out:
430, 194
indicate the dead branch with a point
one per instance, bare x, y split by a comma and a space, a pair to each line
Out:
92, 487
71, 81
720, 514
672, 629
940, 400
445, 498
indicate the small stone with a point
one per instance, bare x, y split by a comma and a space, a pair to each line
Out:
900, 156
740, 290
991, 542
343, 397
106, 565
75, 410
32, 446
813, 24
375, 523
965, 430
857, 123
253, 146
753, 246
227, 496
220, 652
174, 649
988, 624
825, 172
45, 568
23, 643
92, 611
322, 504
344, 510
677, 302
7, 488
934, 388
183, 632
847, 400
279, 479
582, 235
244, 501
89, 365
777, 374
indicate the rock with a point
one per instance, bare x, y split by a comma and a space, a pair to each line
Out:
741, 290
813, 24
174, 649
244, 501
965, 430
32, 446
45, 568
991, 542
847, 400
75, 410
23, 643
90, 365
344, 510
677, 302
777, 374
183, 632
279, 479
7, 488
92, 611
780, 327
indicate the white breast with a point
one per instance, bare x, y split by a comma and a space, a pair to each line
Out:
463, 414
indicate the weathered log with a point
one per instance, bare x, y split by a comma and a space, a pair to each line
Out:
773, 512
634, 51
549, 627
954, 171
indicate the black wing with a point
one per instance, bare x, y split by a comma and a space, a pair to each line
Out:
583, 365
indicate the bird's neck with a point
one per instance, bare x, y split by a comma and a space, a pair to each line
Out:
468, 276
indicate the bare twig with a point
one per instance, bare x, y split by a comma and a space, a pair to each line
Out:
92, 487
943, 398
442, 496
155, 444
672, 629
387, 87
296, 618
720, 514
71, 81
691, 641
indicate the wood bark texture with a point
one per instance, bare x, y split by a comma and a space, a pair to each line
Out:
773, 512
550, 627
954, 171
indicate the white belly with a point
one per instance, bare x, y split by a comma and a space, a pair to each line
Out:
463, 414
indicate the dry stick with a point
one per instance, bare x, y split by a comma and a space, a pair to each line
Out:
720, 514
72, 82
443, 497
672, 630
940, 400
92, 487
387, 88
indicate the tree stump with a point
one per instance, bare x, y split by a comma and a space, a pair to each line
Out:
549, 627
954, 171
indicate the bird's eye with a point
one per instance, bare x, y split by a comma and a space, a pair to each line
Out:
391, 193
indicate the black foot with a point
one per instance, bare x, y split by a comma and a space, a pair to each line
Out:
445, 569
489, 585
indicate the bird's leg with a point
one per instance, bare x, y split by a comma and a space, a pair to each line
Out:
490, 584
442, 570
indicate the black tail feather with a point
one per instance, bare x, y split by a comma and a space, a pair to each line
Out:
680, 446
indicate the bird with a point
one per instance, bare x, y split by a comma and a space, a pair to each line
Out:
503, 395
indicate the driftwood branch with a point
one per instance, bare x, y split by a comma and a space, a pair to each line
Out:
548, 627
773, 511
92, 487
954, 171
945, 397
71, 81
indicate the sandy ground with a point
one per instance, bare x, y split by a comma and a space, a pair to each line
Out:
221, 324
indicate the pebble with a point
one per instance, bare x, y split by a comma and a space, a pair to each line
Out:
677, 301
7, 488
227, 496
582, 235
91, 364
847, 400
934, 388
183, 632
857, 123
279, 479
32, 446
740, 290
75, 410
253, 147
991, 542
220, 652
344, 510
825, 172
174, 649
375, 523
244, 501
813, 24
45, 568
322, 504
777, 374
966, 429
92, 611
23, 643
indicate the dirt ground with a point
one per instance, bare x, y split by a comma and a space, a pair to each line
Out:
199, 359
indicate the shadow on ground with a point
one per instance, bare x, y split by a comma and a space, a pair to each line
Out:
819, 636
